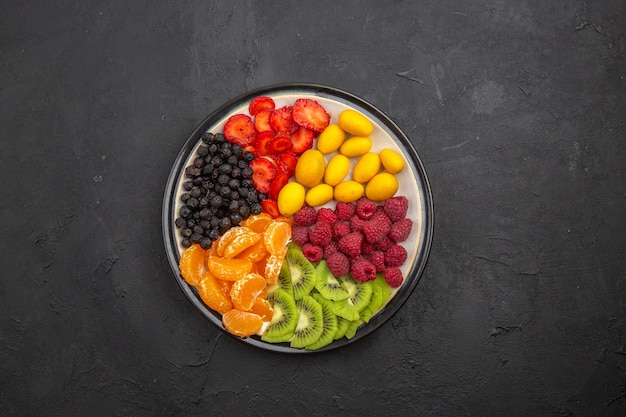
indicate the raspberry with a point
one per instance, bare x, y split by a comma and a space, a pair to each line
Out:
367, 248
326, 214
350, 244
385, 243
320, 233
365, 208
376, 228
338, 263
396, 208
395, 256
362, 270
393, 276
344, 210
306, 216
340, 229
377, 258
312, 252
300, 235
356, 223
330, 249
401, 230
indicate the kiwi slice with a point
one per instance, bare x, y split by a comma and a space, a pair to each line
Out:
329, 323
376, 302
284, 280
385, 288
352, 328
359, 297
342, 327
310, 324
302, 273
327, 284
284, 319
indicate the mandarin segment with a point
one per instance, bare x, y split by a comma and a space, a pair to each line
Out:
229, 269
242, 323
255, 252
246, 290
210, 291
191, 264
276, 236
257, 222
240, 243
263, 308
273, 265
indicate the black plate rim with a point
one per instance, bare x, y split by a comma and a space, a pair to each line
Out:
169, 235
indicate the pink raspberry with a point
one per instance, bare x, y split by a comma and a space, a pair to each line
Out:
350, 244
401, 230
338, 263
320, 233
300, 235
362, 270
356, 223
326, 214
395, 256
365, 208
306, 216
312, 252
345, 210
330, 249
393, 276
377, 258
396, 208
376, 228
367, 247
385, 243
340, 229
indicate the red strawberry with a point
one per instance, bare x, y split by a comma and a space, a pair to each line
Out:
302, 140
262, 120
289, 160
263, 172
279, 144
310, 114
262, 143
281, 120
270, 207
260, 103
239, 129
277, 184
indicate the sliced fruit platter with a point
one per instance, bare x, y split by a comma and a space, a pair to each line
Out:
298, 218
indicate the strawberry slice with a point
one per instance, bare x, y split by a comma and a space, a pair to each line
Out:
263, 172
270, 207
310, 114
281, 120
260, 103
279, 144
262, 143
239, 129
279, 182
288, 161
262, 121
302, 140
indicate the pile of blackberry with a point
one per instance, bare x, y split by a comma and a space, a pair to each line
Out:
217, 192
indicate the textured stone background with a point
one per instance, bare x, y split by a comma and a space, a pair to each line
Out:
517, 109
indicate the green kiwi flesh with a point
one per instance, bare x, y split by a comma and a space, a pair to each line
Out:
329, 324
284, 319
360, 295
301, 271
327, 284
310, 324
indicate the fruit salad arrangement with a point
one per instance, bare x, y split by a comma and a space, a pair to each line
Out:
290, 225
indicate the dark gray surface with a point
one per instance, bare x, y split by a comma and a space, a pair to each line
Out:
517, 109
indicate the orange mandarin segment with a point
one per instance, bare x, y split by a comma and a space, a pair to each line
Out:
229, 236
229, 269
191, 264
241, 242
210, 291
257, 222
225, 286
255, 252
276, 236
263, 308
246, 290
273, 265
242, 323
